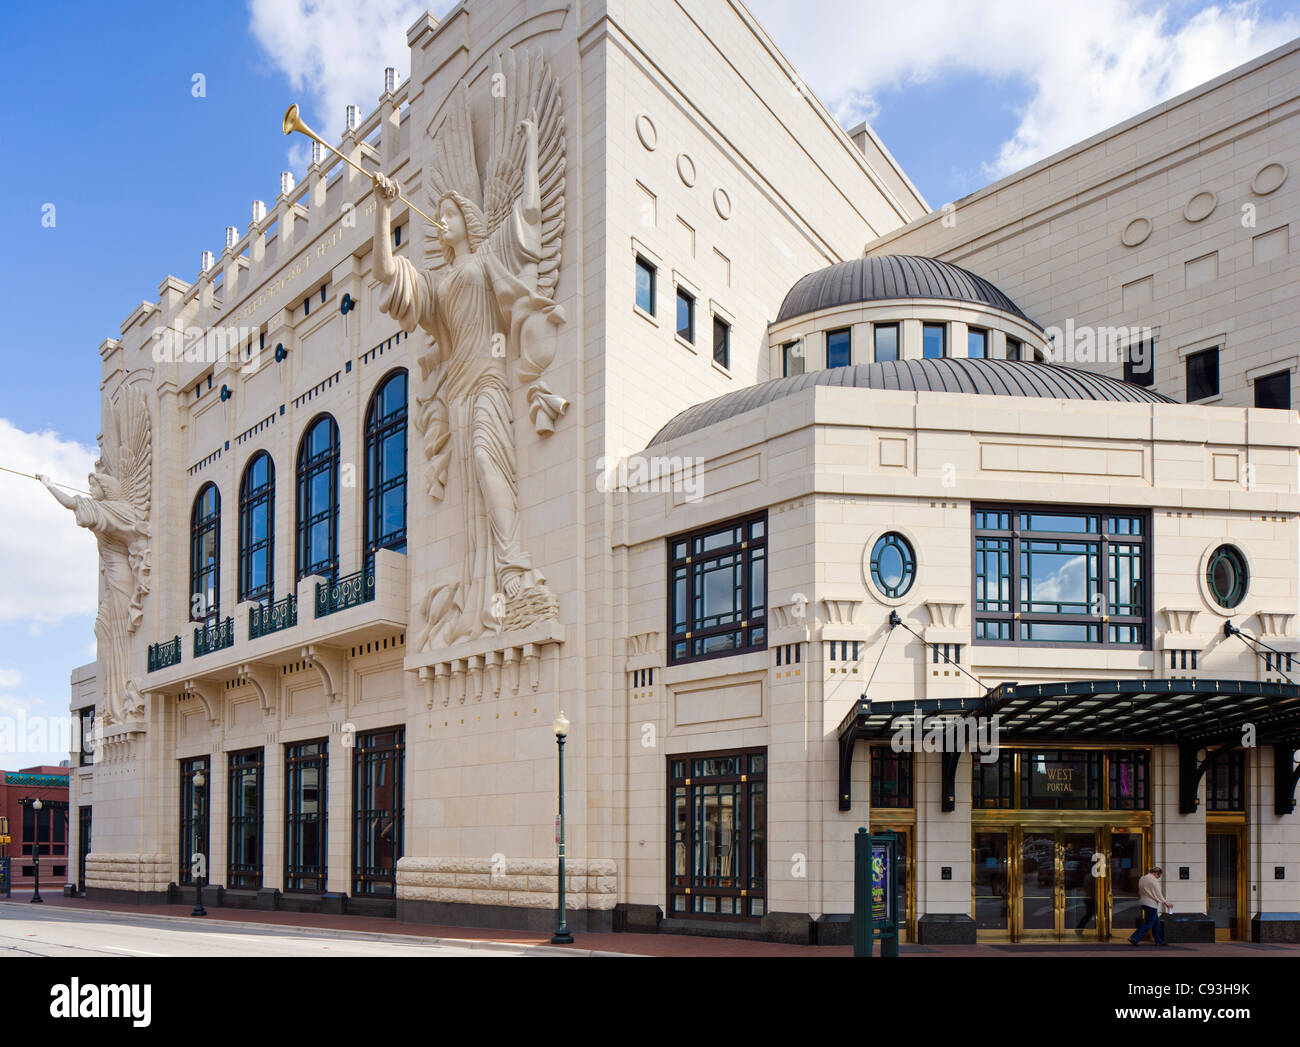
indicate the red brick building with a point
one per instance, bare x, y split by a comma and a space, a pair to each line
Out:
30, 828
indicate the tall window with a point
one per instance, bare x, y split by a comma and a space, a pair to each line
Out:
205, 555
977, 343
1203, 375
87, 721
717, 821
645, 286
793, 358
721, 342
194, 815
839, 347
934, 341
1061, 576
718, 590
386, 467
257, 530
1014, 349
318, 499
1140, 363
1225, 782
377, 822
244, 852
685, 315
886, 339
891, 778
306, 764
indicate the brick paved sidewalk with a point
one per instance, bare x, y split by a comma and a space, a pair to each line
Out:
647, 944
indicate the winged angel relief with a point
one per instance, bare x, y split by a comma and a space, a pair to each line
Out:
486, 300
117, 511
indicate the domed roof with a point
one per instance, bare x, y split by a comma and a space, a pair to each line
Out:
949, 375
884, 277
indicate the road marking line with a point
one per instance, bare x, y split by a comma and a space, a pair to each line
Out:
133, 952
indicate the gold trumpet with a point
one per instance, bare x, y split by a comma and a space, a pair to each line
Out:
293, 122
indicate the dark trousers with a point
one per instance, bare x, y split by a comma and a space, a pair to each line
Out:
1150, 920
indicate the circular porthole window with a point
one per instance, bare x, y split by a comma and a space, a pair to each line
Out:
893, 565
1227, 576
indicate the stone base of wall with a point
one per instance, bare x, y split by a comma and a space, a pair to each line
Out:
943, 928
1275, 928
140, 878
503, 917
521, 883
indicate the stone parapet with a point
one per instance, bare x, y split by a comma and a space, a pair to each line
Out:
522, 883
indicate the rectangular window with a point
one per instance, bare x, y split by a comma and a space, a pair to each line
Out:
244, 847
891, 778
886, 339
717, 824
87, 717
977, 343
686, 315
839, 348
934, 341
194, 815
1014, 349
1061, 576
721, 342
793, 358
1061, 780
645, 286
305, 809
1129, 774
377, 811
992, 783
1139, 363
1274, 390
717, 584
1225, 782
1202, 375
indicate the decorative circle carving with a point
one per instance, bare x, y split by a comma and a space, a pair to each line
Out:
1268, 179
686, 169
1136, 232
647, 132
722, 203
1201, 206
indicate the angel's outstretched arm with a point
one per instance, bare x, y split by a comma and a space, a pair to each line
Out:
386, 192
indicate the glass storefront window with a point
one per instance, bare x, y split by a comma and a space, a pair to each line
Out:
1063, 780
891, 778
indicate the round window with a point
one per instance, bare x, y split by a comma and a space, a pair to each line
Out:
1227, 576
893, 565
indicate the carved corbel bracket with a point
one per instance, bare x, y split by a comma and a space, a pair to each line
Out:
263, 681
840, 612
328, 663
209, 695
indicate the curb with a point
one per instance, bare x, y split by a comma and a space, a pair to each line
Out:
478, 944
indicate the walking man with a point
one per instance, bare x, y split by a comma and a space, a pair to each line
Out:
1152, 901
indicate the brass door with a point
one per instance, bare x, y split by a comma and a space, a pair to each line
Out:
991, 893
1225, 881
1059, 886
906, 875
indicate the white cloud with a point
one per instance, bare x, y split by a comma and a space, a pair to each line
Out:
10, 678
334, 52
1085, 66
49, 567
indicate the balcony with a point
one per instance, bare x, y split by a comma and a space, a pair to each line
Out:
272, 618
164, 655
351, 591
214, 637
369, 606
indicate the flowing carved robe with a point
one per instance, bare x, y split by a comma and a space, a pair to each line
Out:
478, 313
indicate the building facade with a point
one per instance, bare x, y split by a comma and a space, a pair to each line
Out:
381, 496
37, 831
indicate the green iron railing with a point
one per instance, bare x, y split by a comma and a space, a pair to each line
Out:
215, 637
351, 591
263, 621
165, 654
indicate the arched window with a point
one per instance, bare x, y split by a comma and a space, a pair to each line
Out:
205, 555
318, 499
386, 467
257, 530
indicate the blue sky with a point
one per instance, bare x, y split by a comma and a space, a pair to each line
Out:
103, 122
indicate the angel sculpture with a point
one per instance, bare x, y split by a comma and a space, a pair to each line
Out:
117, 511
486, 301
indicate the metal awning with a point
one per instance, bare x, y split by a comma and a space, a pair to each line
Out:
1193, 714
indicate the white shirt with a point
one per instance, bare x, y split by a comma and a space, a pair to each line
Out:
1149, 892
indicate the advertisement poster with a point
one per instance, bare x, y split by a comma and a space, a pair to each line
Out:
881, 882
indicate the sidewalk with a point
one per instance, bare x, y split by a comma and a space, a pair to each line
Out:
640, 944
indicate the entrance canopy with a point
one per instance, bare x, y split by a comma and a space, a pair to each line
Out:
1195, 715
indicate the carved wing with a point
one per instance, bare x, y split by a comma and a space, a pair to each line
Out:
526, 87
453, 167
135, 454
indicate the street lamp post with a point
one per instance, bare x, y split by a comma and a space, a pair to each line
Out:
561, 728
36, 894
197, 866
